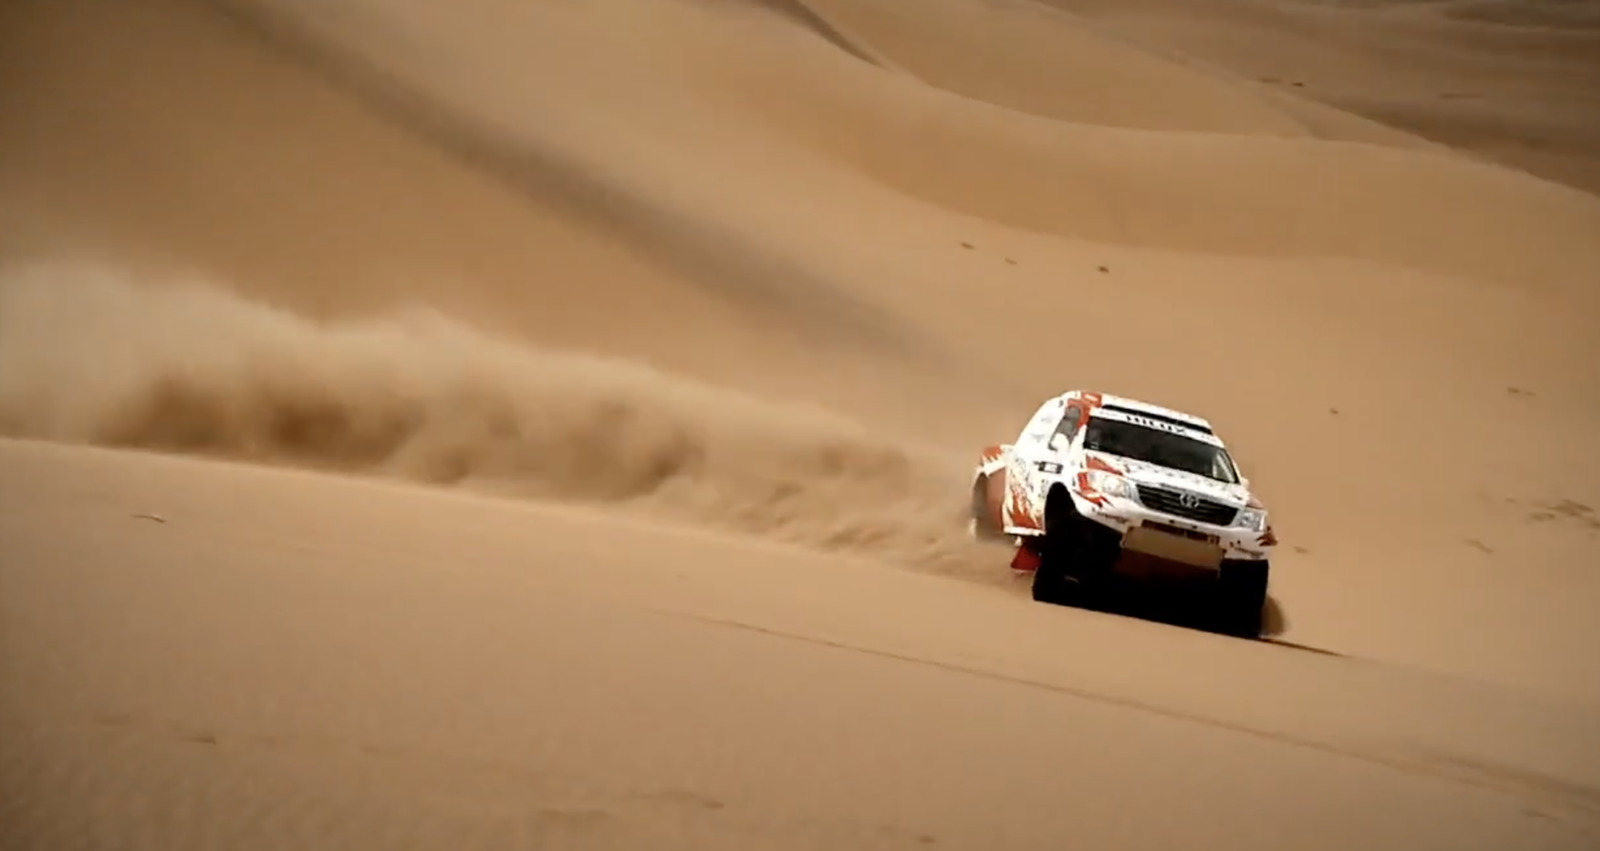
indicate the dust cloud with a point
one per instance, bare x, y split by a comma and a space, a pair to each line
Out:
89, 355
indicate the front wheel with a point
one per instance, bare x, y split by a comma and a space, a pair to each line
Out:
1242, 598
1076, 555
1050, 581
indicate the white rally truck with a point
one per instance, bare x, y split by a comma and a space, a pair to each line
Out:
1099, 489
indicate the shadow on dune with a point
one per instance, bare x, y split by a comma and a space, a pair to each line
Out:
708, 253
802, 13
1568, 15
1182, 608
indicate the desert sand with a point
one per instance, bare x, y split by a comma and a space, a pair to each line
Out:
498, 424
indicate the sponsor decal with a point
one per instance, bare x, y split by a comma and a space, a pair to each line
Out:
1155, 424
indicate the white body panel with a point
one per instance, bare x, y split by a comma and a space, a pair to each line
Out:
1219, 518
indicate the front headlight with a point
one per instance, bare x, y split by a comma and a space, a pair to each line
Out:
1112, 485
1253, 519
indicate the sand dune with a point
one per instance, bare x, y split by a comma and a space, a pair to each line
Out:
286, 659
1511, 81
1188, 191
724, 294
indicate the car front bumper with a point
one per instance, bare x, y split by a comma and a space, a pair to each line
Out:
1173, 538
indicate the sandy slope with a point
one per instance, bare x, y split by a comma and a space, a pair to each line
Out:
291, 660
776, 269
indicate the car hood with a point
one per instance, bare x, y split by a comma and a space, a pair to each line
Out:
1145, 473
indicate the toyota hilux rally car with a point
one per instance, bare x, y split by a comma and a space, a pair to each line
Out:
1099, 488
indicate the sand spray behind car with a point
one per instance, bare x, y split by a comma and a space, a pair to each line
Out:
87, 356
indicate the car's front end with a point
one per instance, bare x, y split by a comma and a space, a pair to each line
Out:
1164, 531
1140, 492
1166, 513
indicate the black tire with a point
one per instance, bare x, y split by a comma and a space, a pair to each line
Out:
1076, 554
1242, 598
1050, 582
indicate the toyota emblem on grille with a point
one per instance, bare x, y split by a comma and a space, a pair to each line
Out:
1188, 500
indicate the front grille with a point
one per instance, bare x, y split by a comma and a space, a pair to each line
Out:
1166, 500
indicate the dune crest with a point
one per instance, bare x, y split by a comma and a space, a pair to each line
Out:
772, 105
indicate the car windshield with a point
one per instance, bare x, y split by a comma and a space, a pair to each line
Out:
1163, 448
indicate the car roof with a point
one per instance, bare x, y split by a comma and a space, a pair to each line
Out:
1129, 405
